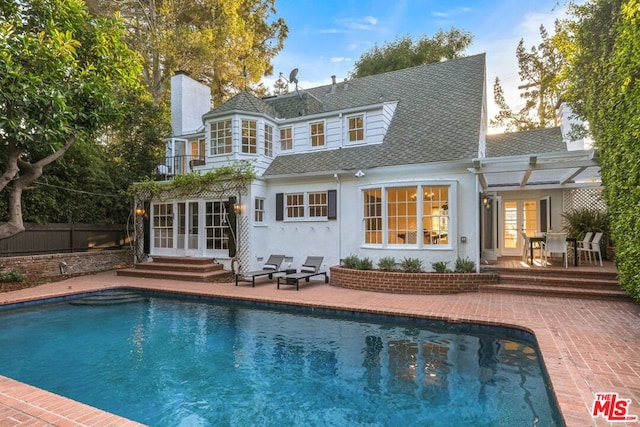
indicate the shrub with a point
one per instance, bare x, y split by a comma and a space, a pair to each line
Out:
12, 276
411, 265
365, 264
387, 264
440, 267
352, 261
465, 265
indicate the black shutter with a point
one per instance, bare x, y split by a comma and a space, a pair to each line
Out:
279, 206
332, 204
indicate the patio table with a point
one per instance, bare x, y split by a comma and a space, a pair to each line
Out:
542, 239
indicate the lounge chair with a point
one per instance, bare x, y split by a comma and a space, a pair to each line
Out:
273, 265
310, 268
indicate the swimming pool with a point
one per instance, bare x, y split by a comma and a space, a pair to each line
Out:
166, 361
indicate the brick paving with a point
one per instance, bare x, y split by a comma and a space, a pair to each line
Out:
588, 346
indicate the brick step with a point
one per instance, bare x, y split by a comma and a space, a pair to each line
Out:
554, 272
586, 282
218, 275
177, 260
565, 292
189, 267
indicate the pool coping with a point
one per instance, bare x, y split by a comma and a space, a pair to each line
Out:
573, 386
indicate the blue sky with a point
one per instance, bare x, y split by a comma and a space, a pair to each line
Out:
326, 37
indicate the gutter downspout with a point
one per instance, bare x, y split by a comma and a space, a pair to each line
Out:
339, 200
477, 226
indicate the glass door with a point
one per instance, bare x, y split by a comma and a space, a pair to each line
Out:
188, 241
517, 216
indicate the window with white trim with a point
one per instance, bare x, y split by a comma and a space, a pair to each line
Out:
249, 139
373, 216
355, 128
408, 215
163, 225
316, 130
318, 205
268, 140
216, 226
286, 138
221, 142
258, 209
295, 205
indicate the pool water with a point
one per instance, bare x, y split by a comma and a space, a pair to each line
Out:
172, 362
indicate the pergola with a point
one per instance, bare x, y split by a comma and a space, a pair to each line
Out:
569, 169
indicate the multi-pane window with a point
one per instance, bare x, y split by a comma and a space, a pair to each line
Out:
355, 128
295, 205
435, 215
373, 216
317, 134
401, 215
286, 138
216, 226
414, 215
268, 140
221, 142
163, 225
249, 139
258, 208
318, 204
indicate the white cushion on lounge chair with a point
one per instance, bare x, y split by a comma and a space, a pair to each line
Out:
270, 267
307, 269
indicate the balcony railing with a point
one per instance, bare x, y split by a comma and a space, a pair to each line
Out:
168, 167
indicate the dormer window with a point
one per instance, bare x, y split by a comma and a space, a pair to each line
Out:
221, 142
355, 128
317, 134
249, 137
286, 138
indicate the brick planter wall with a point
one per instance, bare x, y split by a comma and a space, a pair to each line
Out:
34, 266
409, 283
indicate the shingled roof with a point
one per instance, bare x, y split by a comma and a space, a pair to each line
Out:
245, 102
525, 143
438, 117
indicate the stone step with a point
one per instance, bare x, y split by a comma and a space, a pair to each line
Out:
565, 292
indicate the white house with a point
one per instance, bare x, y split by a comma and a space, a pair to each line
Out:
392, 165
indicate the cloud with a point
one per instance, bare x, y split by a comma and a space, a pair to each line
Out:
366, 23
340, 59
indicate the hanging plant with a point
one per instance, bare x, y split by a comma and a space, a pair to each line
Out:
238, 175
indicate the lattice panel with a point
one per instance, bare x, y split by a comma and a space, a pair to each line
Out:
583, 198
243, 254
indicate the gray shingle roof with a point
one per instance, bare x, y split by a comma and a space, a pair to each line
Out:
245, 102
438, 117
525, 142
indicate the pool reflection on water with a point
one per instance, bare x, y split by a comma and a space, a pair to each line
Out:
166, 362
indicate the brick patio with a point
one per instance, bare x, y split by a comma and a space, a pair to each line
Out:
588, 346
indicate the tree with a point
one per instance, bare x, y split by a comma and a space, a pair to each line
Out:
404, 52
540, 70
63, 76
603, 47
227, 44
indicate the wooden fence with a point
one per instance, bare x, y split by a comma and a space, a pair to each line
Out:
61, 238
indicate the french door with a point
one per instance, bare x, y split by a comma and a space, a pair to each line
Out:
188, 232
517, 216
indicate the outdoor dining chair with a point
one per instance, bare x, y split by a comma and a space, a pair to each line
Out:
555, 243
